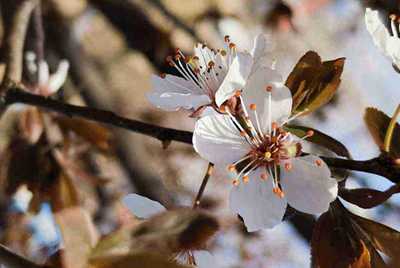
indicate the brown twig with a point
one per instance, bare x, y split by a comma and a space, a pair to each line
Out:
203, 185
382, 165
12, 260
14, 43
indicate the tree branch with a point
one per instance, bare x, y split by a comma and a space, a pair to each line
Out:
383, 165
13, 260
14, 43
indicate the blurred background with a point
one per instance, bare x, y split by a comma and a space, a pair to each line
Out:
114, 46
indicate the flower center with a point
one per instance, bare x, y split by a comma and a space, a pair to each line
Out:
268, 149
207, 68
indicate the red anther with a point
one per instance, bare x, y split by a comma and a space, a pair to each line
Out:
264, 176
196, 70
163, 75
235, 182
246, 179
222, 109
274, 125
238, 93
318, 162
310, 133
268, 88
253, 106
232, 45
226, 38
392, 16
288, 166
211, 64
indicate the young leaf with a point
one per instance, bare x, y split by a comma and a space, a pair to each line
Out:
313, 83
320, 138
377, 123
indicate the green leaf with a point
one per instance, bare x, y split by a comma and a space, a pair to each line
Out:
377, 123
313, 83
320, 138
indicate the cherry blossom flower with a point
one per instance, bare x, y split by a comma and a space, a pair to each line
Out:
270, 171
46, 84
388, 43
209, 77
144, 208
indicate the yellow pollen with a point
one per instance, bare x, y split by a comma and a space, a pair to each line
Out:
264, 176
318, 162
288, 166
246, 179
236, 182
253, 106
267, 155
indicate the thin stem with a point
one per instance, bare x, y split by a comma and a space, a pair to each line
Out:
203, 185
390, 130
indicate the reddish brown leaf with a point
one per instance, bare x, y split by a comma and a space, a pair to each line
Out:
92, 132
313, 83
368, 198
335, 245
377, 123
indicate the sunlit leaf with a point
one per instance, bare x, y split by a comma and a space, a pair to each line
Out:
377, 123
92, 132
313, 83
79, 236
321, 139
137, 260
368, 198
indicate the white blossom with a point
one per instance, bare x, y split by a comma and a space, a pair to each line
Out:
388, 43
210, 77
266, 160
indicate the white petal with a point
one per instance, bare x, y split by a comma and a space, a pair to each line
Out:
43, 73
236, 77
172, 93
255, 202
261, 53
204, 259
255, 93
57, 79
307, 186
216, 139
380, 35
142, 207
